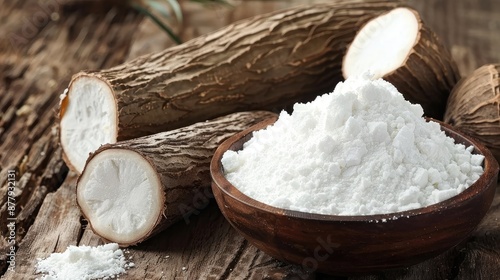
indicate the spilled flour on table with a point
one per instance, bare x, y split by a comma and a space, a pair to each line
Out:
85, 263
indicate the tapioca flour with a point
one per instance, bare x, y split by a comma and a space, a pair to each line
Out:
360, 150
85, 263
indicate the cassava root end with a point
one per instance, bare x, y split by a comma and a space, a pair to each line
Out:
383, 44
400, 48
133, 189
88, 119
121, 194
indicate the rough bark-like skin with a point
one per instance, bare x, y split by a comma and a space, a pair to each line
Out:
428, 74
474, 106
181, 158
262, 63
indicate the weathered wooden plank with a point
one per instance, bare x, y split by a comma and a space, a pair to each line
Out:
57, 226
205, 248
54, 52
34, 73
202, 246
41, 46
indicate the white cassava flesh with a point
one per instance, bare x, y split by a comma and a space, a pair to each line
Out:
398, 47
89, 120
121, 194
133, 189
383, 44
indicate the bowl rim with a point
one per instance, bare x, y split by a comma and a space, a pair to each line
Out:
490, 166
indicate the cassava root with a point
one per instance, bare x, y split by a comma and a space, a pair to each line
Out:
133, 189
474, 106
263, 63
398, 47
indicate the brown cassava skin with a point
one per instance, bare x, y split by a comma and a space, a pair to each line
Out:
263, 63
429, 73
474, 106
181, 159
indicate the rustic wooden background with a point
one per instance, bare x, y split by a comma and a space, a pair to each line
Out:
42, 43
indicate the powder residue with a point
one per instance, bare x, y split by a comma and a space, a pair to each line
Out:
85, 263
360, 150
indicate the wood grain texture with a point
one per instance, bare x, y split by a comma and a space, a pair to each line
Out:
34, 73
73, 41
208, 248
58, 222
203, 247
40, 46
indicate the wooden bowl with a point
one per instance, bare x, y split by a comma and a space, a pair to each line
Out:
344, 245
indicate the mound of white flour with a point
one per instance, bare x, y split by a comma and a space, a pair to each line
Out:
85, 263
360, 150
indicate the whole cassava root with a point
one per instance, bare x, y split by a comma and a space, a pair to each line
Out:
398, 47
263, 63
474, 106
133, 189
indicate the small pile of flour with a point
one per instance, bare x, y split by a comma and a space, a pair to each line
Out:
84, 263
360, 150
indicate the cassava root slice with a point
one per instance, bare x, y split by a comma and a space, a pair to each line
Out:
132, 189
474, 106
263, 63
400, 48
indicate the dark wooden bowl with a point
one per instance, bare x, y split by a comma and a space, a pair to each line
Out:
344, 245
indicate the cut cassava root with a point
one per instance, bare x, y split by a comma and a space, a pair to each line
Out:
90, 121
132, 189
474, 106
400, 48
263, 63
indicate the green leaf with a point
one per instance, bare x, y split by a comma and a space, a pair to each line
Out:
224, 2
161, 24
177, 9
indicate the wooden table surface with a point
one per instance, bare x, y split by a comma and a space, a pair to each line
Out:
42, 43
